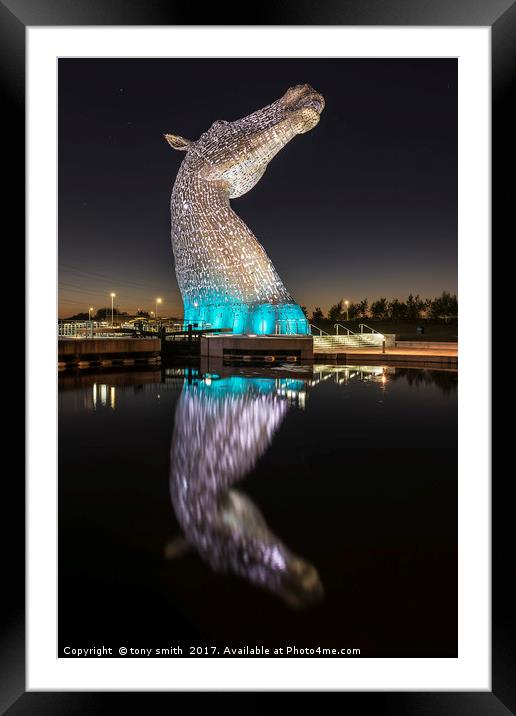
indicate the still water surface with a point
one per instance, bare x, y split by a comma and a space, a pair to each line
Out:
259, 507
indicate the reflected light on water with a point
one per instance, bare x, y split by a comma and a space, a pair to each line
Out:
342, 375
285, 479
221, 429
99, 393
223, 425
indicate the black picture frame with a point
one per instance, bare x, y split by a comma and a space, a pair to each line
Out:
500, 16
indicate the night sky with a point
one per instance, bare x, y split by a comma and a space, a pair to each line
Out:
364, 205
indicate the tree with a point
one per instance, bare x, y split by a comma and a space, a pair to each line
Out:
353, 311
305, 310
103, 313
414, 307
317, 314
379, 309
445, 306
335, 312
427, 306
142, 313
397, 310
363, 308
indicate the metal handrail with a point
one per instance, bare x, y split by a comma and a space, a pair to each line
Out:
288, 325
339, 325
363, 325
321, 332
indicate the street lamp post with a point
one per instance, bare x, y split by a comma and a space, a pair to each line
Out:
158, 300
346, 303
90, 309
112, 310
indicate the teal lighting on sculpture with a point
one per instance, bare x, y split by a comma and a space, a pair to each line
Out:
225, 277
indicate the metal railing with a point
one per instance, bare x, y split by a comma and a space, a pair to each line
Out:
80, 329
321, 332
291, 326
198, 325
339, 325
363, 325
334, 342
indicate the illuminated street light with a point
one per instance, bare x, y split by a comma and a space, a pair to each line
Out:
346, 303
112, 310
158, 300
90, 309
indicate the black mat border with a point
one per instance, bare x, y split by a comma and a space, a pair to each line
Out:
500, 15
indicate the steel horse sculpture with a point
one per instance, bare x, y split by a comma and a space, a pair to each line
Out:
225, 277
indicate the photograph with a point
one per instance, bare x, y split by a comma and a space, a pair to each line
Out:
257, 357
252, 462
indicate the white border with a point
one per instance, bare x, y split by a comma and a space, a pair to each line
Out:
472, 669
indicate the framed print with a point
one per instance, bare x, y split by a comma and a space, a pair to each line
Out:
253, 461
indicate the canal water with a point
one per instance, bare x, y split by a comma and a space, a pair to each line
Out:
259, 507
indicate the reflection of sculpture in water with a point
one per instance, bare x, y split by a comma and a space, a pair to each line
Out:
221, 430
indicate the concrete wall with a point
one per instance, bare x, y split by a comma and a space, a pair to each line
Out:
428, 345
107, 346
390, 340
214, 346
408, 360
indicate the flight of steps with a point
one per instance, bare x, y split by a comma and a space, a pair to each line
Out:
338, 344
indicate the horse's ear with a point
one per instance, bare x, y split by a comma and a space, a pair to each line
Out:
177, 142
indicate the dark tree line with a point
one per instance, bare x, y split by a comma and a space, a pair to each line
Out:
101, 314
443, 307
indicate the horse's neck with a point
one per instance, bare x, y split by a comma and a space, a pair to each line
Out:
206, 227
202, 206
